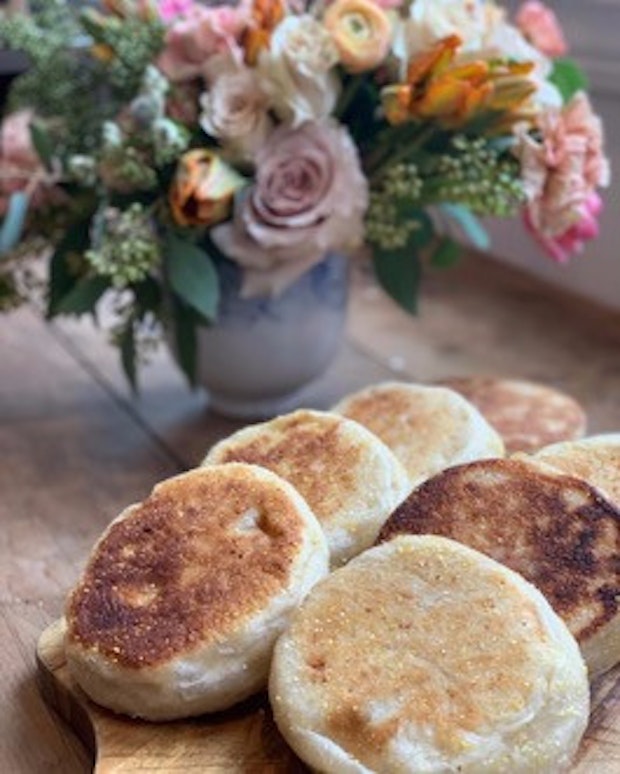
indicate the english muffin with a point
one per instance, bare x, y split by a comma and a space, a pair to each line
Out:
350, 479
527, 415
423, 655
427, 428
184, 595
595, 459
554, 529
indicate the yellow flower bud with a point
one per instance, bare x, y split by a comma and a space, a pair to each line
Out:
203, 189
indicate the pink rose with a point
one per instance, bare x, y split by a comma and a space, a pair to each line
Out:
573, 240
20, 166
309, 197
540, 26
562, 166
199, 35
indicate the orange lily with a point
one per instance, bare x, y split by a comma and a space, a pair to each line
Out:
437, 89
266, 15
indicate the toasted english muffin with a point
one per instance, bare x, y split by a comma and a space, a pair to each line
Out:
556, 530
350, 479
423, 655
527, 415
595, 459
427, 428
184, 595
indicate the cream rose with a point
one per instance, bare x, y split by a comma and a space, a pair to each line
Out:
297, 70
309, 197
235, 110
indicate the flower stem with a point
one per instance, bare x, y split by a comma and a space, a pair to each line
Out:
404, 151
348, 95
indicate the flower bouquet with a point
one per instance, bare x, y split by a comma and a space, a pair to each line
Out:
152, 142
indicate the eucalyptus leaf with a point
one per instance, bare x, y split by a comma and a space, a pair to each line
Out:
13, 222
399, 273
469, 224
63, 276
42, 143
446, 254
185, 345
83, 297
127, 344
192, 276
568, 77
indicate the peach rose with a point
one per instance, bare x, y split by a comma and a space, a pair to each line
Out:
199, 35
540, 26
362, 32
562, 166
203, 189
309, 197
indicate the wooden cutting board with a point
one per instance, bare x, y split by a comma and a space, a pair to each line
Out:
244, 739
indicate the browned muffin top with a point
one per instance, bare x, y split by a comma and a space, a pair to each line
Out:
201, 555
556, 530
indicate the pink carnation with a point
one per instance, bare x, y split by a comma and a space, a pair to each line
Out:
562, 167
540, 26
573, 240
199, 35
170, 9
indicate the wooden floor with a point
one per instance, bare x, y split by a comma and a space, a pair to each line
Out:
76, 447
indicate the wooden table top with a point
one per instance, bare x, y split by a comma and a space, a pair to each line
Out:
76, 447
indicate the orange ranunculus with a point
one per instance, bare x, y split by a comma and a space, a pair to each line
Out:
266, 15
202, 191
452, 94
362, 32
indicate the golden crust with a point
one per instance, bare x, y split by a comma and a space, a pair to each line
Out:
307, 448
203, 553
556, 530
526, 415
348, 477
427, 428
595, 459
423, 645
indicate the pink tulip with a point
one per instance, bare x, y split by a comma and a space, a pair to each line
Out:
170, 9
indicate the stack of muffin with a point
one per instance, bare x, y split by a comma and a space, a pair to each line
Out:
414, 599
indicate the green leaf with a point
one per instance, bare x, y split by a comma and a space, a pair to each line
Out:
192, 276
568, 77
13, 222
42, 143
185, 348
470, 225
83, 297
446, 254
62, 277
127, 344
399, 273
424, 231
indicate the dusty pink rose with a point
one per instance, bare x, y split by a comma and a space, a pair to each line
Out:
170, 9
309, 197
199, 35
540, 26
20, 166
562, 167
573, 240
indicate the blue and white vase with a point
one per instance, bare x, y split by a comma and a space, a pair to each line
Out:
261, 354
